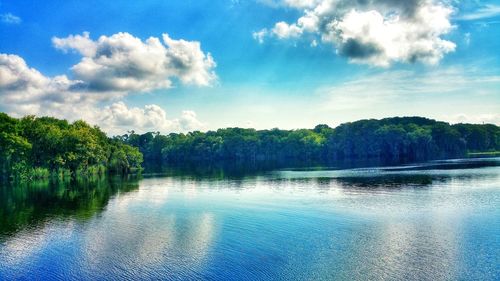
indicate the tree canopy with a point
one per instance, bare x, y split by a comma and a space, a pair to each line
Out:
33, 144
390, 140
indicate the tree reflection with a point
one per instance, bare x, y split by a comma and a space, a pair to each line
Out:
30, 204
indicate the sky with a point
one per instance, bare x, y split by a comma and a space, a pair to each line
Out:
178, 66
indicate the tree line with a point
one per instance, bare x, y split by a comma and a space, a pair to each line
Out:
390, 140
41, 146
33, 147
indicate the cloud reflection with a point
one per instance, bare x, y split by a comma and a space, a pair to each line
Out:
140, 231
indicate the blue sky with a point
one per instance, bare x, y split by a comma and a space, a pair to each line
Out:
259, 63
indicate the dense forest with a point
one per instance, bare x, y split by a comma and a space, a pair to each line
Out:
33, 147
36, 147
390, 140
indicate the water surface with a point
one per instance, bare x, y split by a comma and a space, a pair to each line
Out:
434, 221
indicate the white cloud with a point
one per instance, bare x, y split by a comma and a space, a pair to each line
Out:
302, 3
484, 12
189, 121
187, 61
80, 43
376, 32
290, 3
16, 75
260, 35
111, 68
24, 90
27, 90
283, 30
9, 18
118, 118
124, 63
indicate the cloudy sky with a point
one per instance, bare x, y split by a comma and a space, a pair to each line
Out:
199, 65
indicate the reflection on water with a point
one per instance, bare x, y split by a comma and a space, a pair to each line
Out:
27, 204
422, 222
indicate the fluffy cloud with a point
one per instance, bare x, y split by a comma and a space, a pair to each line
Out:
15, 75
118, 118
284, 30
26, 91
111, 68
376, 32
80, 43
123, 63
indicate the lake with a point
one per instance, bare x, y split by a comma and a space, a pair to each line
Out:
432, 221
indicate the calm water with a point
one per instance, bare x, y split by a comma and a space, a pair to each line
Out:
439, 221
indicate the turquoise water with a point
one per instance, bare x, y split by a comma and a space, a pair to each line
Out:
439, 221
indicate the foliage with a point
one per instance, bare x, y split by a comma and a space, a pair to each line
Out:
390, 140
33, 147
